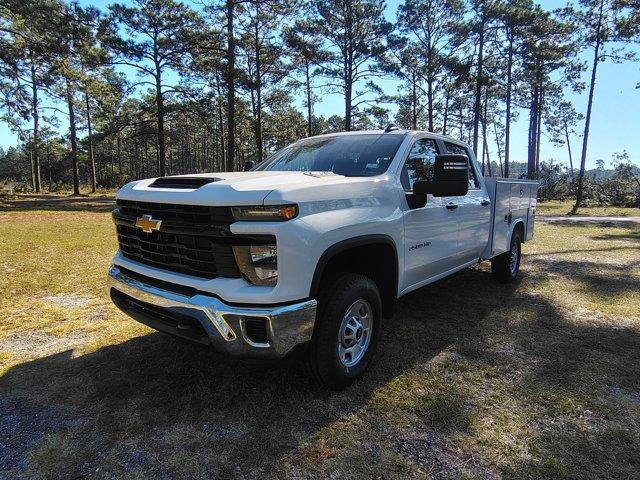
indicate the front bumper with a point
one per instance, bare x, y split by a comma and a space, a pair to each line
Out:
208, 320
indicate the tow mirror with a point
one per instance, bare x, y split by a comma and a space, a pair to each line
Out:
450, 177
248, 166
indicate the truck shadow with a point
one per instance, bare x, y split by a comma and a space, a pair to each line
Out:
157, 407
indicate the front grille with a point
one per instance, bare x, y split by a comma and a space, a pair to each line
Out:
190, 254
193, 239
192, 215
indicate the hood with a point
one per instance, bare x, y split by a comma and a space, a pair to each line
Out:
240, 188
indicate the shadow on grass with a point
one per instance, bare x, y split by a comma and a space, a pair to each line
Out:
605, 281
584, 384
575, 220
59, 203
155, 407
165, 398
633, 235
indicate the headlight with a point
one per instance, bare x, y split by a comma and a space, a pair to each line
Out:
265, 213
258, 263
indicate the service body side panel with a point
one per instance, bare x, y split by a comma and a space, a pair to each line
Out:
512, 202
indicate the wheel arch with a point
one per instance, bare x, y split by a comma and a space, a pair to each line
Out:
354, 255
518, 226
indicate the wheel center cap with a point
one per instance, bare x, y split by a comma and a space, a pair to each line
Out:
359, 333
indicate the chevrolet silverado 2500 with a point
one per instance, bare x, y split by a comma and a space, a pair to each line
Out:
310, 249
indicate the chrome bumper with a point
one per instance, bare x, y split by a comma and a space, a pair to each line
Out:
225, 325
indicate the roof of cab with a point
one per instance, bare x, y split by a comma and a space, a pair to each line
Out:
394, 132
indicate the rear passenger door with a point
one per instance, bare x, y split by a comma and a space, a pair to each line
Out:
473, 210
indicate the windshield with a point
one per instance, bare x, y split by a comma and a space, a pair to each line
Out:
349, 155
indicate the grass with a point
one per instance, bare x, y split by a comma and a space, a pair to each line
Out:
539, 379
563, 207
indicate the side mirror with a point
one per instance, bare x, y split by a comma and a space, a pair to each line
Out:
248, 166
450, 177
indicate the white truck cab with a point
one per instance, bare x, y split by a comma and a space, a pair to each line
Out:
311, 248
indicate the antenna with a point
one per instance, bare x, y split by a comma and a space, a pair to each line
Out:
390, 128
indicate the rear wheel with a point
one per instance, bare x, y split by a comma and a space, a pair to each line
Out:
347, 330
505, 267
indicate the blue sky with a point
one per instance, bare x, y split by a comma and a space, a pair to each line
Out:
615, 124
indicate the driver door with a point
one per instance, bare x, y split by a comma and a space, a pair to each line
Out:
431, 231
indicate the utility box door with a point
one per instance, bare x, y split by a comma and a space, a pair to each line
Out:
502, 207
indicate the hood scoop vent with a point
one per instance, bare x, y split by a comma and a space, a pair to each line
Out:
183, 182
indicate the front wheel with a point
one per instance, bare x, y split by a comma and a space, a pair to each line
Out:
505, 267
347, 330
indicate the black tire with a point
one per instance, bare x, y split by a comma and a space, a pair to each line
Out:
337, 295
502, 268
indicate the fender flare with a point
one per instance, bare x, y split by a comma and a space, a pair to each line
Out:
513, 229
347, 244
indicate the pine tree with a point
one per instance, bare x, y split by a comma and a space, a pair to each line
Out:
305, 53
354, 31
428, 23
154, 37
603, 25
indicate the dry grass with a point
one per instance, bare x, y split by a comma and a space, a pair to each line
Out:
563, 207
539, 379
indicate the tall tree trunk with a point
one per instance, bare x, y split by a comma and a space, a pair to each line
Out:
502, 170
347, 105
170, 149
486, 151
35, 113
160, 120
222, 163
478, 93
348, 68
33, 170
309, 104
119, 152
533, 134
507, 123
258, 127
430, 101
539, 130
75, 167
230, 84
90, 139
566, 134
446, 112
587, 120
414, 101
485, 148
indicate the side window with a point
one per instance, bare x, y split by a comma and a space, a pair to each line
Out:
420, 163
460, 150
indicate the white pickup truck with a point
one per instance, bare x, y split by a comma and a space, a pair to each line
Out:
309, 250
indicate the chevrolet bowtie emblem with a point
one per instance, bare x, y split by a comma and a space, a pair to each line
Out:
147, 224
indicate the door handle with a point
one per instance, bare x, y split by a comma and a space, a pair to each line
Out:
484, 203
452, 206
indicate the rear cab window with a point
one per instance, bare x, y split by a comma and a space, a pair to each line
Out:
461, 150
